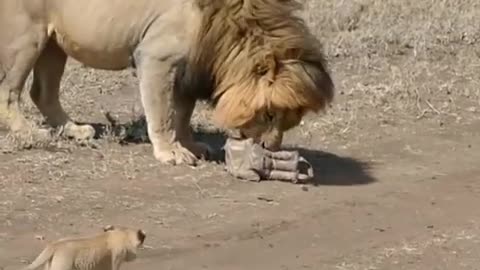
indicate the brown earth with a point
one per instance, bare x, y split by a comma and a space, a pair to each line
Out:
397, 161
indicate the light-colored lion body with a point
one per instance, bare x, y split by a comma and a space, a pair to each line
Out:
103, 251
106, 33
257, 62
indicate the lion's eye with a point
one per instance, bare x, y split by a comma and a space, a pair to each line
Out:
269, 116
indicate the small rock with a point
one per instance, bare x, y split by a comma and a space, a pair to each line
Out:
261, 198
97, 207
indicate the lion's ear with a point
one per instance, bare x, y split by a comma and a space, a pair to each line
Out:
267, 67
108, 228
271, 61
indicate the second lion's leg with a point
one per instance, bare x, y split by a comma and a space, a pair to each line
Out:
47, 74
157, 95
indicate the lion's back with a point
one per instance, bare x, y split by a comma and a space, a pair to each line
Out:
106, 32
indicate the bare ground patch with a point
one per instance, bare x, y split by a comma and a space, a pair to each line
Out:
396, 160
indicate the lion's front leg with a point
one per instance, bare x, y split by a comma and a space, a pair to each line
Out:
184, 107
156, 76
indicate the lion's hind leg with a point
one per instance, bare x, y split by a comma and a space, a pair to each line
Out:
17, 58
47, 74
60, 262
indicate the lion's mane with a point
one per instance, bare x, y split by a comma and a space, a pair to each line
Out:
256, 55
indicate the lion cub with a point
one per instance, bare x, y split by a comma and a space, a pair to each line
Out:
104, 251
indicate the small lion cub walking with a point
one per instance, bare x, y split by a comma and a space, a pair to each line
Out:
105, 251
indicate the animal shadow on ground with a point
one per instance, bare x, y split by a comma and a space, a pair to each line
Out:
333, 170
135, 131
329, 169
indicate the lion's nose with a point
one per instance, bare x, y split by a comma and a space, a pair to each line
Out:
270, 146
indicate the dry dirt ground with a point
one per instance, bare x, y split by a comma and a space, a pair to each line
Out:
397, 161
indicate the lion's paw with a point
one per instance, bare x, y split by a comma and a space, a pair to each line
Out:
79, 132
176, 155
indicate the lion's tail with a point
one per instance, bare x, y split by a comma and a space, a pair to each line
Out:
42, 258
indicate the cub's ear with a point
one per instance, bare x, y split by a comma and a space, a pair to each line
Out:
108, 228
141, 235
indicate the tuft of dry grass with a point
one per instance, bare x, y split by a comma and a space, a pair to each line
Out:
355, 28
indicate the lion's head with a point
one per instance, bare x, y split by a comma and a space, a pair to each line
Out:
265, 69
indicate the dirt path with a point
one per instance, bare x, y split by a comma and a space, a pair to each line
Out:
396, 159
414, 217
418, 213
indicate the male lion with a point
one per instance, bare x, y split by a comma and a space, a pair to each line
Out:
253, 59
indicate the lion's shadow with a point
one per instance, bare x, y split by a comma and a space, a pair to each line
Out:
329, 169
333, 170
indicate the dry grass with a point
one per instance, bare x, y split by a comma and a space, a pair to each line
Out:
396, 61
385, 27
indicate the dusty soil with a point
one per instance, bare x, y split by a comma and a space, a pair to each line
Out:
397, 161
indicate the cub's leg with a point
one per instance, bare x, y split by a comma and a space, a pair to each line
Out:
20, 45
47, 74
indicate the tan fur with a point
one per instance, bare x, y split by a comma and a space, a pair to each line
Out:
105, 251
265, 61
253, 58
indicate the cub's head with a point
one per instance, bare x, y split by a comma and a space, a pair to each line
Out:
126, 237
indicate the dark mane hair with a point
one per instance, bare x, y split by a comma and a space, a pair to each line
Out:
256, 55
